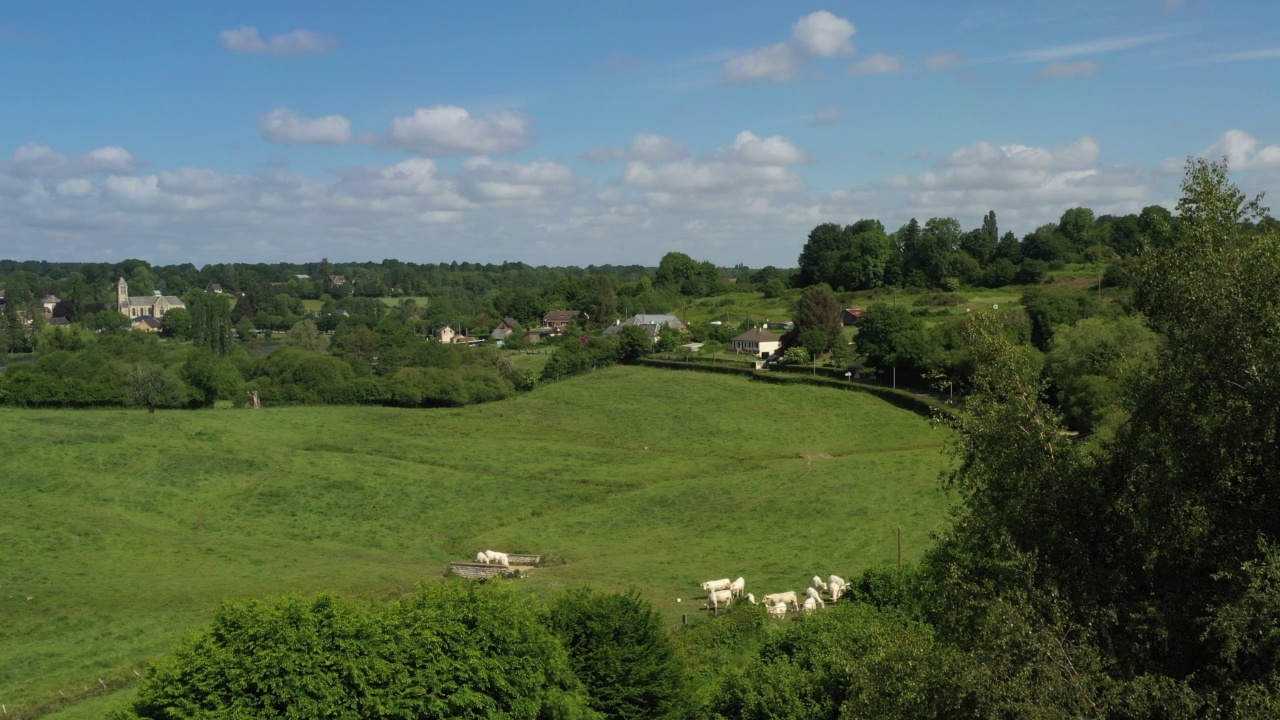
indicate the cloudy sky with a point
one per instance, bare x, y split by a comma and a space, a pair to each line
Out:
599, 132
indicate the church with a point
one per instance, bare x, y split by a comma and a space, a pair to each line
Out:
154, 306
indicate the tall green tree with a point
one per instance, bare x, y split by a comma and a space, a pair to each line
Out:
818, 311
619, 648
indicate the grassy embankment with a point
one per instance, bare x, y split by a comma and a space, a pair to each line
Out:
124, 529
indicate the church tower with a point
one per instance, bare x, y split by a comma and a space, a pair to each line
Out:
122, 296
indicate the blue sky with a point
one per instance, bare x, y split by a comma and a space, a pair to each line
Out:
587, 132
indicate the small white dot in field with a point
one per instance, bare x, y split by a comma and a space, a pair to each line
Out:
677, 599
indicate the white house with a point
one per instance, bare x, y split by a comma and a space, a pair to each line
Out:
757, 342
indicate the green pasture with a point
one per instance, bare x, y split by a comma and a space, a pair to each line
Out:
122, 529
738, 306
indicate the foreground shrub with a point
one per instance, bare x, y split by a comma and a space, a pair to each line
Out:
454, 650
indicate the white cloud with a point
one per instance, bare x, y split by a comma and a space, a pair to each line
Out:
1026, 185
818, 34
822, 34
299, 42
75, 188
644, 147
446, 130
1063, 69
878, 64
776, 63
749, 149
1077, 155
33, 159
1242, 151
113, 159
1242, 56
283, 125
829, 116
1092, 47
37, 160
483, 179
941, 61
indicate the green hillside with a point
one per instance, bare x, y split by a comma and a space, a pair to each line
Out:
123, 529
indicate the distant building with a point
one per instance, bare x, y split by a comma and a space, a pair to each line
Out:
49, 301
214, 288
146, 323
757, 342
504, 329
154, 306
558, 320
338, 279
851, 316
651, 324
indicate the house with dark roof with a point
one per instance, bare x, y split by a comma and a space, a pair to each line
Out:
558, 320
851, 316
757, 342
504, 329
147, 323
651, 324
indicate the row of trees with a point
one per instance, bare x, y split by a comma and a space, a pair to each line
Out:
940, 254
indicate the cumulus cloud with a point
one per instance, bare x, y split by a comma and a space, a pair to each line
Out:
878, 64
645, 147
299, 42
1242, 151
109, 159
283, 125
1027, 185
34, 159
749, 149
776, 63
74, 188
446, 130
942, 61
829, 116
1063, 69
822, 34
483, 179
818, 34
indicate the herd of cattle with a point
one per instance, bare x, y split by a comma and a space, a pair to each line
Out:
722, 592
493, 557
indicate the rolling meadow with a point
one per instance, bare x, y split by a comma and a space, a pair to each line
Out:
123, 529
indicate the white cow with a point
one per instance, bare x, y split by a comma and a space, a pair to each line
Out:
714, 585
788, 597
809, 605
815, 596
818, 584
751, 598
497, 558
737, 586
718, 598
779, 610
837, 586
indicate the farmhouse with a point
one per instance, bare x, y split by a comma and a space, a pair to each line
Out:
757, 342
448, 335
558, 320
504, 329
146, 323
154, 306
651, 324
850, 316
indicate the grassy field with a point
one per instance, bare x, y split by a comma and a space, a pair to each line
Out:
123, 529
